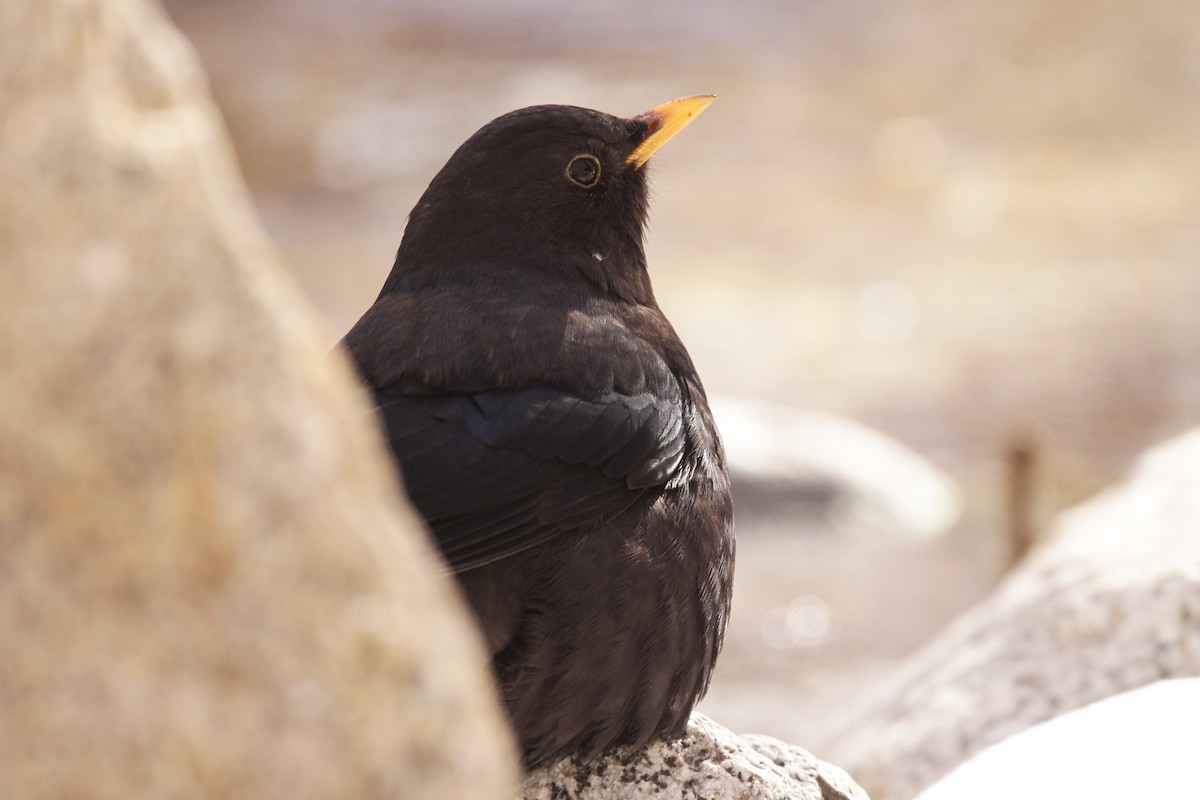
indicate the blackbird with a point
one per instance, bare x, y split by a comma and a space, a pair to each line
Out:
551, 429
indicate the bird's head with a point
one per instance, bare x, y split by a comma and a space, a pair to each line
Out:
544, 193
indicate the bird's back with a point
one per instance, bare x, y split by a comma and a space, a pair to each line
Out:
564, 456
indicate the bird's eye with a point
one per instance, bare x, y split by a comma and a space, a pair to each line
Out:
584, 171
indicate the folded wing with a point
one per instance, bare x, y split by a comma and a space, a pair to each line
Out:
497, 472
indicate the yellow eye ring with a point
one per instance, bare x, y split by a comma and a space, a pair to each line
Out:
584, 170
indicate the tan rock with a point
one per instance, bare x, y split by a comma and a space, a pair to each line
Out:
208, 587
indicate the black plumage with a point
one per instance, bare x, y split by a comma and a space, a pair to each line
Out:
552, 430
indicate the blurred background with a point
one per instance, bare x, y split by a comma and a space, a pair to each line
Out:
972, 225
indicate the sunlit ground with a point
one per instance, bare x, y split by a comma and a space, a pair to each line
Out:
964, 223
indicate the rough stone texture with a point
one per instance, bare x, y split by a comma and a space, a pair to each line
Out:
792, 466
208, 587
710, 763
1138, 744
1109, 603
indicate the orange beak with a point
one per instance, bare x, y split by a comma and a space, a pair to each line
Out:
664, 122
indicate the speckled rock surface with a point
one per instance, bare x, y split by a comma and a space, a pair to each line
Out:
1109, 603
1138, 744
710, 763
208, 585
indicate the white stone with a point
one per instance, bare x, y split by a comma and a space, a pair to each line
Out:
849, 476
1138, 744
1110, 602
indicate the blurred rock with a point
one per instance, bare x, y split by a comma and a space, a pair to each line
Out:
1138, 744
710, 763
793, 466
208, 587
1110, 602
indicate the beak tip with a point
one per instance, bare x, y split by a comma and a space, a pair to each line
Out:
665, 121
